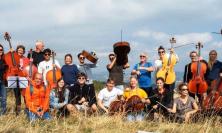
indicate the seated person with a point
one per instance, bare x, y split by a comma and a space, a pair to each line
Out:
160, 99
184, 106
108, 94
59, 98
82, 97
131, 91
37, 99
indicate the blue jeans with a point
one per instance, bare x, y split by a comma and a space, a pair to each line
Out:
3, 98
32, 116
139, 116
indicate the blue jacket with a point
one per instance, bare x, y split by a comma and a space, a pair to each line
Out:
54, 100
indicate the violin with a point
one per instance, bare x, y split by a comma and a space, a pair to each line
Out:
198, 85
116, 107
167, 70
31, 69
91, 56
134, 104
12, 59
53, 75
214, 99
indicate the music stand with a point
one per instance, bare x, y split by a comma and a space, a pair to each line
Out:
17, 82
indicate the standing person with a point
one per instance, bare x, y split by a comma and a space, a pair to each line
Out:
108, 94
184, 106
158, 65
82, 97
59, 98
187, 72
143, 72
214, 67
47, 65
116, 71
37, 99
17, 91
131, 91
86, 68
69, 71
38, 54
3, 91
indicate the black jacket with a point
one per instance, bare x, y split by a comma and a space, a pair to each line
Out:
76, 94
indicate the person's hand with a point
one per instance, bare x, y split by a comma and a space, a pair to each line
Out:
138, 73
155, 107
172, 51
143, 100
82, 100
85, 103
187, 116
169, 110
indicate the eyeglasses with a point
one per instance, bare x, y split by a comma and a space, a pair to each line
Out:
81, 78
142, 56
160, 52
47, 54
82, 58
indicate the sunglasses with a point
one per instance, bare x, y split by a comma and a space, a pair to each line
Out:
82, 58
81, 78
47, 54
184, 89
1, 49
160, 52
142, 56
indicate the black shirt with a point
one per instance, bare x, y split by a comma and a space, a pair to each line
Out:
116, 73
77, 93
37, 57
2, 68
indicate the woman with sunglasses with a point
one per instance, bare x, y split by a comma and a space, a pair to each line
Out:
59, 98
184, 106
3, 92
158, 65
143, 72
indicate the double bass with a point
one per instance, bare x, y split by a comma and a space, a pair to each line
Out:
168, 63
198, 85
121, 49
12, 60
53, 75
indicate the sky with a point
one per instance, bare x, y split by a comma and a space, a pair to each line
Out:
70, 26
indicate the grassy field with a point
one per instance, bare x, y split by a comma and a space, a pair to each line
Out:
100, 124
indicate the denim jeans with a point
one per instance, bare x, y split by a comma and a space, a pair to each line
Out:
32, 116
138, 116
3, 98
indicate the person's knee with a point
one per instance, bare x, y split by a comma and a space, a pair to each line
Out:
94, 108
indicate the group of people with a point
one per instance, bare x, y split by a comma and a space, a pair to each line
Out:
74, 91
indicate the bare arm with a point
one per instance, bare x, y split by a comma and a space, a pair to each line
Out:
100, 104
110, 66
173, 110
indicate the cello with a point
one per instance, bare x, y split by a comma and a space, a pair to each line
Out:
198, 85
53, 75
167, 70
12, 59
30, 70
134, 104
213, 100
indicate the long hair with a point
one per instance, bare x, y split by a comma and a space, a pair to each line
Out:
60, 94
2, 49
210, 62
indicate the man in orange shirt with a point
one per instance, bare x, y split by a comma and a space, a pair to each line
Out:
37, 99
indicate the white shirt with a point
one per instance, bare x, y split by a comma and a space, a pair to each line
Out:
108, 96
45, 66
